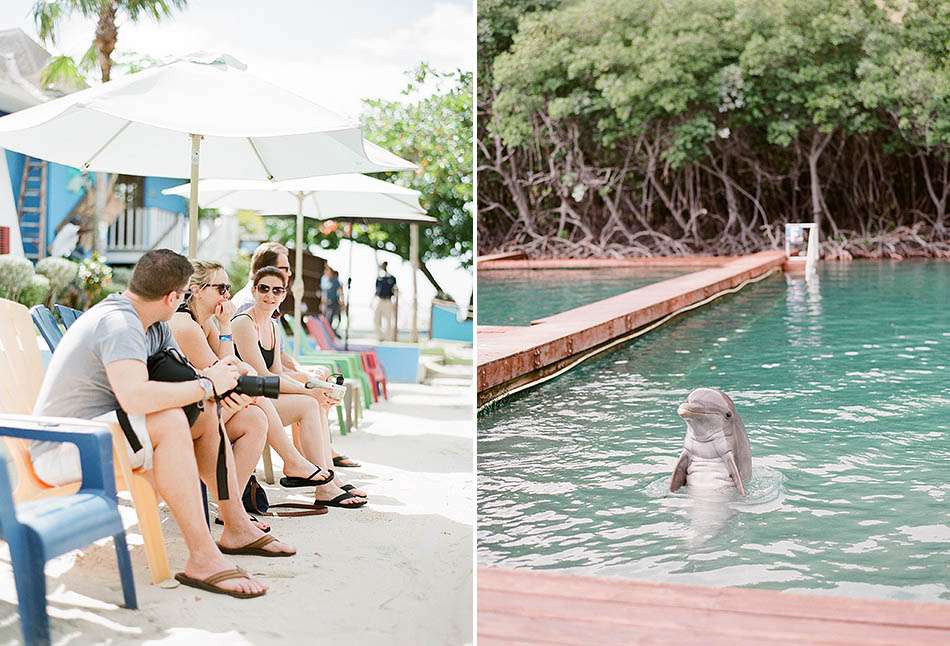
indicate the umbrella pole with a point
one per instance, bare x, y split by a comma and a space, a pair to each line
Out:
298, 277
349, 284
193, 200
414, 255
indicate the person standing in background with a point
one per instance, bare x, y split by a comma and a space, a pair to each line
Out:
385, 306
332, 295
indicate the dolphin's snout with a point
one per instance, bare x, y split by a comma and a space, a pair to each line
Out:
689, 409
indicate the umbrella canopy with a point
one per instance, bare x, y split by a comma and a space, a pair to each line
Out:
350, 198
159, 121
331, 197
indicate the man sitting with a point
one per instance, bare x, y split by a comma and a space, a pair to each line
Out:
99, 372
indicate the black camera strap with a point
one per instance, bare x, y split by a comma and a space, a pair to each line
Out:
221, 468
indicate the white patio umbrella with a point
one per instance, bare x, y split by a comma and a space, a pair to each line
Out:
346, 198
161, 120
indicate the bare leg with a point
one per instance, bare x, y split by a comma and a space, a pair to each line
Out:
294, 463
238, 528
303, 377
246, 430
176, 478
310, 438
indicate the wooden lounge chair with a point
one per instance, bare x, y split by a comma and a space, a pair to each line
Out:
20, 356
43, 529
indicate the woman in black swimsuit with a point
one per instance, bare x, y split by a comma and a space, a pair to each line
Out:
257, 341
202, 329
245, 420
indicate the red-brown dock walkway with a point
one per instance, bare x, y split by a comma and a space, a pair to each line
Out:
510, 357
519, 607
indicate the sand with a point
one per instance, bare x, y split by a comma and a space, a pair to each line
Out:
398, 571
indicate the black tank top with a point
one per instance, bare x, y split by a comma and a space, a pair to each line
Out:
267, 354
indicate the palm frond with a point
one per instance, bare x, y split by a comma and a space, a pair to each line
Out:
61, 70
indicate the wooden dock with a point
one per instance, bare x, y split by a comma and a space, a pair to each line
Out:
520, 607
512, 357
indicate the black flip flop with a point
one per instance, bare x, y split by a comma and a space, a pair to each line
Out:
345, 462
348, 488
337, 502
292, 482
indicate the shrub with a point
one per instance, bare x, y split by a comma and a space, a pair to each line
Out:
15, 275
239, 271
35, 292
60, 272
121, 276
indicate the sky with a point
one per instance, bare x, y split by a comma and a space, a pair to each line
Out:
333, 53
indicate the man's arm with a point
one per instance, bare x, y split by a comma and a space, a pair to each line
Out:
139, 396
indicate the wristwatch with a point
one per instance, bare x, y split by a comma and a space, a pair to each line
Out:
208, 386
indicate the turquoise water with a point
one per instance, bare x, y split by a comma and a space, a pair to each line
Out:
518, 297
844, 388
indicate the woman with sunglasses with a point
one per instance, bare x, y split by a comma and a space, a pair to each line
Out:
202, 329
257, 341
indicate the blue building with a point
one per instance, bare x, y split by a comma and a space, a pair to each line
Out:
43, 204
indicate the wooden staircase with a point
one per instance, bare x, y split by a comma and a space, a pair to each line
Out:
31, 207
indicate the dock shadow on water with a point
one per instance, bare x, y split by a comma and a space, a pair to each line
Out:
713, 515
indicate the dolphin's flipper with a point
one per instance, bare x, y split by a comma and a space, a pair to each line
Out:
730, 461
679, 471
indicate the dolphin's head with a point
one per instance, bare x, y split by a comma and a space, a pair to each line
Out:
709, 413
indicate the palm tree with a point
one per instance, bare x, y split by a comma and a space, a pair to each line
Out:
47, 14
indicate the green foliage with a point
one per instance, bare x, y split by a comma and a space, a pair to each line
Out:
16, 275
239, 270
36, 292
435, 131
675, 119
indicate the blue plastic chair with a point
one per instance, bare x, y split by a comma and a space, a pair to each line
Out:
68, 314
46, 323
43, 529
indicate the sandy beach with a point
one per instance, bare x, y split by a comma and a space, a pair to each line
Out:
398, 571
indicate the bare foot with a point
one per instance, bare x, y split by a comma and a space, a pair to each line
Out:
304, 470
332, 490
204, 568
246, 533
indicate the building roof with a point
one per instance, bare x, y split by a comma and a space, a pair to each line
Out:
22, 60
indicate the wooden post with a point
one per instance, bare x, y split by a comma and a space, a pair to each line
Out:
414, 255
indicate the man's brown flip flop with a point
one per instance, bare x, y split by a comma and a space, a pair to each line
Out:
255, 548
210, 584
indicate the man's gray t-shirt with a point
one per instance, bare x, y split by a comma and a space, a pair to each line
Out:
76, 383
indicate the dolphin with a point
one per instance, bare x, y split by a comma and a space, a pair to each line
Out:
716, 450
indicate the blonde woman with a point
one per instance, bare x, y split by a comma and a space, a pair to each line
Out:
202, 329
257, 342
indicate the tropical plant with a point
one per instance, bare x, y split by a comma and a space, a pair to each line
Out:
49, 14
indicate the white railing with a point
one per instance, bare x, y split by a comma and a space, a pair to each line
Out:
147, 228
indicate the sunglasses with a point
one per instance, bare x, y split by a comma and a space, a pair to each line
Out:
223, 288
278, 291
286, 270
